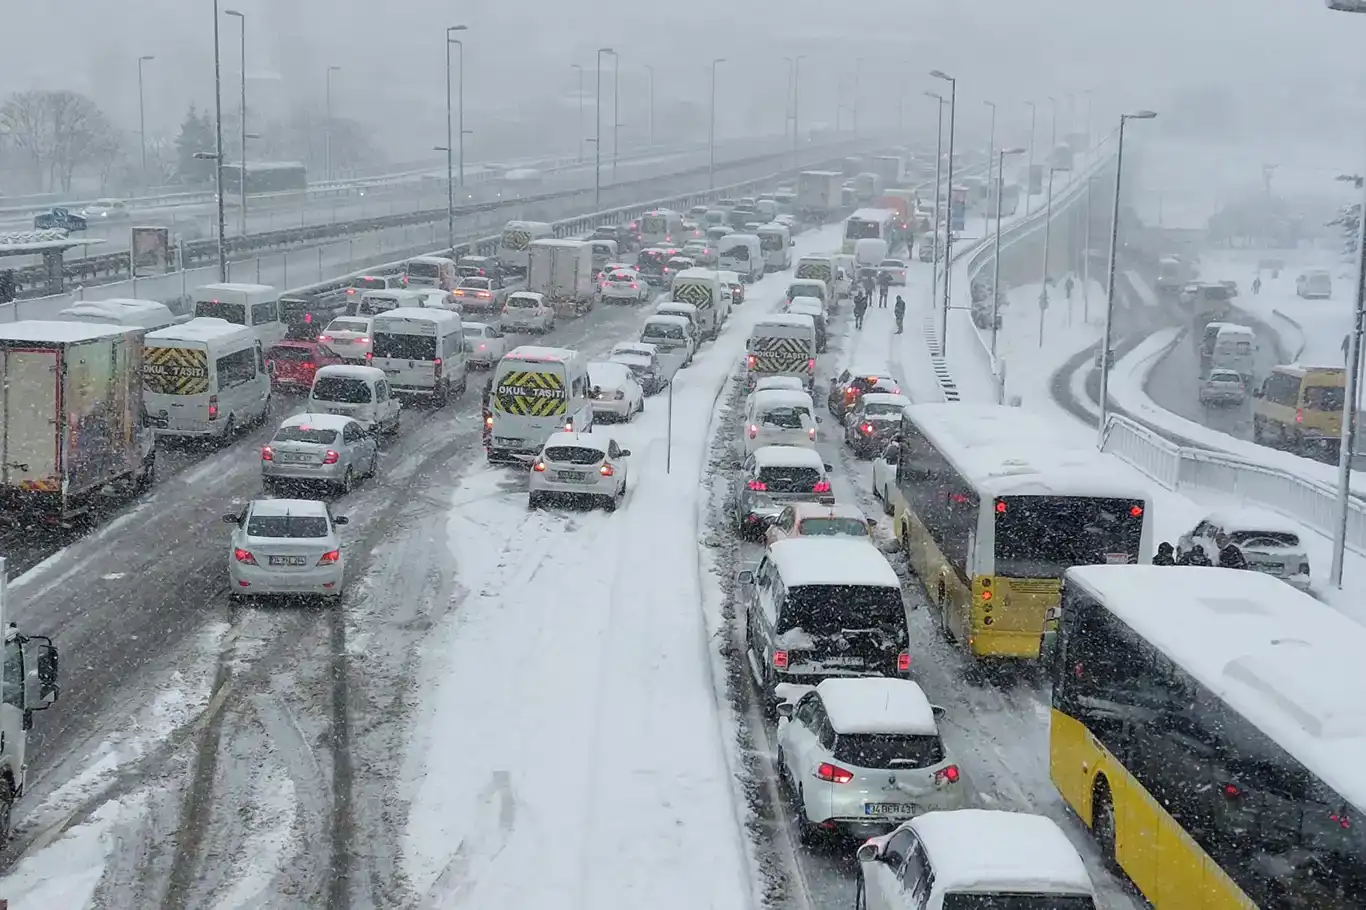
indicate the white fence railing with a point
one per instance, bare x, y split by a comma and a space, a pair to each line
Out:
1309, 502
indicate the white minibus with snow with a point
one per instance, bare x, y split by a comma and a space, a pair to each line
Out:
421, 351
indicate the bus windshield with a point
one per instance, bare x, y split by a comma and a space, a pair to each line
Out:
861, 230
1042, 536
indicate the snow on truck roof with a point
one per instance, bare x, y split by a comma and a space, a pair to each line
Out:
786, 320
1005, 451
351, 371
200, 328
874, 705
58, 331
233, 287
994, 850
1288, 663
535, 353
832, 561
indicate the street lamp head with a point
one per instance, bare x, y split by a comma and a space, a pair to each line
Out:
146, 57
1016, 151
457, 28
940, 74
253, 136
205, 156
936, 96
440, 148
334, 69
716, 60
233, 12
606, 50
1140, 115
990, 104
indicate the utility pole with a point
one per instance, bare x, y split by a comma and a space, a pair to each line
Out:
142, 118
711, 142
991, 159
450, 143
616, 112
242, 161
597, 141
948, 233
996, 284
579, 67
328, 145
1029, 168
858, 73
218, 147
1048, 222
938, 163
651, 71
460, 111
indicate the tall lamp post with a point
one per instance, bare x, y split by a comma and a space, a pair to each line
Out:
796, 99
991, 159
327, 148
616, 111
948, 231
218, 147
1029, 167
1110, 274
242, 111
858, 80
579, 67
597, 133
651, 71
1048, 219
142, 118
996, 278
460, 102
711, 134
449, 147
938, 162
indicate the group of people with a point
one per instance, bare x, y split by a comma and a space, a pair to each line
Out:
863, 298
1229, 556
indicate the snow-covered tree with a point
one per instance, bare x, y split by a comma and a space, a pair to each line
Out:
1349, 222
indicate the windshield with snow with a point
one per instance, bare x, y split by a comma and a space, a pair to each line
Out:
888, 751
828, 609
288, 526
341, 389
834, 527
785, 418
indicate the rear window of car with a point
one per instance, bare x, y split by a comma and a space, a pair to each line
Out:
523, 303
289, 526
1275, 538
789, 479
1324, 398
370, 284
424, 270
405, 347
831, 609
888, 751
473, 331
621, 276
478, 284
1225, 376
217, 309
288, 353
785, 418
883, 410
347, 325
305, 434
892, 264
573, 455
373, 306
655, 330
830, 526
341, 389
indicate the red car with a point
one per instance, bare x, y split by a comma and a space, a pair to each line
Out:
293, 363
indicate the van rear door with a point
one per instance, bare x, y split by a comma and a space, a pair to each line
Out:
178, 385
406, 350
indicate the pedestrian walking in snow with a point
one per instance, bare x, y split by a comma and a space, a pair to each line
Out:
1068, 286
899, 311
1165, 555
1256, 285
884, 281
860, 307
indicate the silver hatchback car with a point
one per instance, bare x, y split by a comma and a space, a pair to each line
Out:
329, 449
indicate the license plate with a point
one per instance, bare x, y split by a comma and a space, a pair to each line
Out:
292, 457
888, 809
840, 661
576, 476
288, 561
1116, 559
338, 411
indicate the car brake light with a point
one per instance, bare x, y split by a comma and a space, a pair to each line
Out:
331, 557
324, 339
903, 662
538, 467
369, 355
267, 453
244, 556
488, 422
867, 429
753, 431
780, 660
947, 775
811, 432
363, 340
606, 470
833, 773
1299, 415
436, 368
821, 487
752, 362
758, 486
1136, 511
332, 457
811, 364
634, 286
310, 366
213, 407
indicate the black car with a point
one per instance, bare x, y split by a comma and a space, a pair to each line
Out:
848, 387
624, 239
873, 422
651, 263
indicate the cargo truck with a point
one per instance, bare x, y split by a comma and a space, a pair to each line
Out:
72, 421
562, 272
819, 194
30, 684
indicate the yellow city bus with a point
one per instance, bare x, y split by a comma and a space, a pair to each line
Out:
991, 507
1208, 726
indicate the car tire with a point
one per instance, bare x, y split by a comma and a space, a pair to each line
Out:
374, 464
348, 482
806, 831
533, 501
609, 503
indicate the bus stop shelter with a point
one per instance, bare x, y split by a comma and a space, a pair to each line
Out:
51, 246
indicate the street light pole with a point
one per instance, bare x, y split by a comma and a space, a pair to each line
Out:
858, 73
616, 111
651, 70
1029, 168
460, 108
996, 280
1048, 221
938, 163
796, 99
991, 159
948, 232
1347, 441
579, 67
1110, 276
711, 140
142, 118
597, 140
218, 147
328, 137
242, 160
450, 143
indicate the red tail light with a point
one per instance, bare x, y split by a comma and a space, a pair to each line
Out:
867, 429
947, 775
244, 556
752, 362
332, 457
758, 486
436, 368
310, 366
780, 660
213, 407
369, 355
634, 286
330, 558
324, 338
822, 487
607, 470
488, 422
811, 433
267, 453
753, 431
903, 662
538, 467
833, 773
1232, 791
1299, 415
1136, 511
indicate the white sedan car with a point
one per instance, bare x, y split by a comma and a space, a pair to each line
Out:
778, 417
285, 547
579, 466
485, 345
527, 312
812, 519
884, 476
860, 755
614, 392
895, 269
329, 449
349, 336
624, 286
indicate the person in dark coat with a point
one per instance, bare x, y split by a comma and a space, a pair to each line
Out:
488, 414
1165, 555
899, 311
1230, 557
884, 281
860, 307
1195, 556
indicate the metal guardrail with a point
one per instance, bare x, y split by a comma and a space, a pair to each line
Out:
1311, 503
113, 265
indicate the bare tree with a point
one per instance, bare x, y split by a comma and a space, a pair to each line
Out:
57, 132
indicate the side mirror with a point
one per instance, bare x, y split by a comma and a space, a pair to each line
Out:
869, 853
828, 468
746, 577
232, 519
270, 366
872, 523
939, 711
340, 520
625, 453
785, 709
40, 673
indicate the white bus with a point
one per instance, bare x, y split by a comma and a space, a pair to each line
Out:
991, 508
877, 224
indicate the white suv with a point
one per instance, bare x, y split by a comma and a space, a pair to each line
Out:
860, 755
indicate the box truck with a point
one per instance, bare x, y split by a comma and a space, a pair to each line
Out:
562, 272
819, 194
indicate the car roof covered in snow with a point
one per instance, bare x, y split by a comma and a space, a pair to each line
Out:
1251, 518
235, 287
643, 348
786, 320
668, 319
539, 354
309, 508
696, 274
771, 383
1005, 451
788, 457
780, 398
801, 301
831, 561
609, 374
200, 328
997, 851
683, 305
350, 371
874, 704
589, 440
900, 401
59, 331
317, 421
1289, 664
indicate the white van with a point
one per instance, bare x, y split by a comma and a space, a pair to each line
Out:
204, 378
687, 310
782, 345
373, 303
673, 339
1234, 349
514, 247
361, 393
421, 351
775, 240
661, 226
536, 391
818, 268
704, 289
810, 287
742, 254
868, 252
430, 272
143, 314
256, 306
